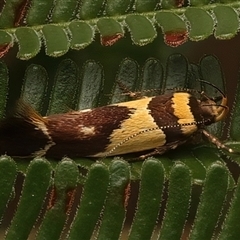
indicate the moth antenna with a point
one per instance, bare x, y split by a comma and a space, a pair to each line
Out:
218, 105
214, 86
139, 94
152, 90
132, 94
182, 89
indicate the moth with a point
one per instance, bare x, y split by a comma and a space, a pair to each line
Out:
155, 124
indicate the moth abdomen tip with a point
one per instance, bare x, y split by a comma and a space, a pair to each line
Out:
23, 132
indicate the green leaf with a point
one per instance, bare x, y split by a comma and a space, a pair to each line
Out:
3, 88
179, 194
146, 5
8, 175
65, 88
149, 200
235, 117
8, 13
199, 2
224, 16
128, 73
114, 211
201, 23
29, 43
56, 40
110, 31
63, 10
173, 27
81, 35
208, 156
211, 202
90, 8
231, 229
58, 22
35, 186
152, 76
168, 4
35, 86
198, 171
92, 83
176, 72
141, 29
170, 22
117, 7
39, 11
92, 202
65, 181
5, 38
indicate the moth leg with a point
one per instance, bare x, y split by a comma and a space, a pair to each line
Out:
128, 92
144, 156
153, 153
161, 150
216, 141
135, 94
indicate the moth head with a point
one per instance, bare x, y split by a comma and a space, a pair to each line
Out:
214, 109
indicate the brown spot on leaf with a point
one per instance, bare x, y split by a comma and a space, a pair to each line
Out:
52, 198
175, 38
110, 40
127, 194
4, 49
21, 12
179, 3
70, 196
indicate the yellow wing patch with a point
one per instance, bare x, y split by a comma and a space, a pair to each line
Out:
183, 111
139, 120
